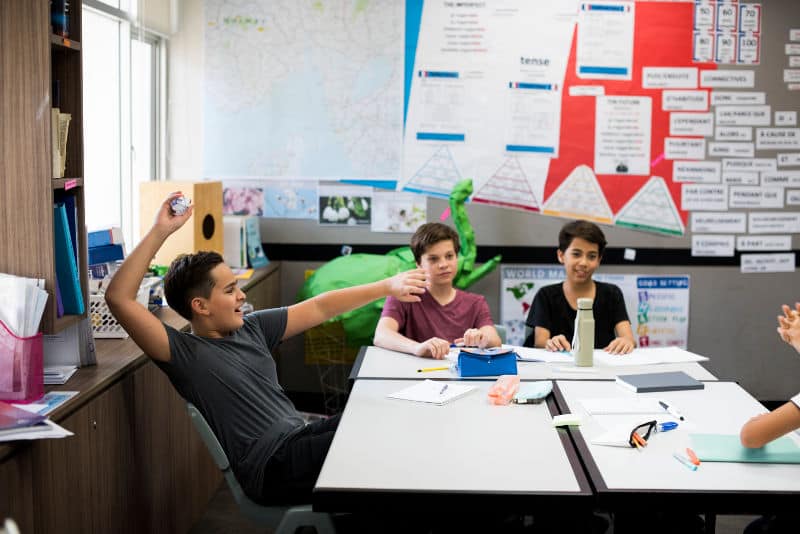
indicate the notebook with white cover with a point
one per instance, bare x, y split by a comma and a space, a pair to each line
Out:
432, 391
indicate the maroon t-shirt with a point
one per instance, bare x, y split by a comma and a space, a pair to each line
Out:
421, 321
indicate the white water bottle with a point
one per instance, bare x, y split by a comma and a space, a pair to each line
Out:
583, 337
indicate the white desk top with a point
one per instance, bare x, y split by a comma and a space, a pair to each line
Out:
382, 363
466, 447
720, 408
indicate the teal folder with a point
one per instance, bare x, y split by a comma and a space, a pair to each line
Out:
728, 448
66, 263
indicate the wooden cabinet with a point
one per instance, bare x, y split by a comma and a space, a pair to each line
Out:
135, 464
85, 483
31, 59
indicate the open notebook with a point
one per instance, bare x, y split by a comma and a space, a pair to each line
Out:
432, 391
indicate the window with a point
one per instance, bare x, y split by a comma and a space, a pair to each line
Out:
122, 67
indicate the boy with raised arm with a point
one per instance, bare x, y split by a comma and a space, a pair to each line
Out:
225, 366
443, 315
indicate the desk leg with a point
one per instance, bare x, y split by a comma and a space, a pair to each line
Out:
711, 522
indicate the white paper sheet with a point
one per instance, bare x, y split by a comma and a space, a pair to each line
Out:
431, 391
647, 356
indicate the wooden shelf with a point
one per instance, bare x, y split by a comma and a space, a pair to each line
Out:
34, 58
63, 183
65, 43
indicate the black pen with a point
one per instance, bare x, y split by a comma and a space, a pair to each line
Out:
444, 388
671, 410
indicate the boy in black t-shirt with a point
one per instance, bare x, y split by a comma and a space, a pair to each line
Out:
552, 316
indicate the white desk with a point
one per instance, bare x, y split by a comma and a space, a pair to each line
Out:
374, 362
399, 454
626, 478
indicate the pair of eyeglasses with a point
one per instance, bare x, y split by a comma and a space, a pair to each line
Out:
643, 431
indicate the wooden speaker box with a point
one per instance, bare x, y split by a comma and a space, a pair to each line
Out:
203, 231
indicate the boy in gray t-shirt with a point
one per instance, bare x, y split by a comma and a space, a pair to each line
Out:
225, 366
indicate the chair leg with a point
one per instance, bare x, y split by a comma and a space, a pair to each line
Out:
294, 519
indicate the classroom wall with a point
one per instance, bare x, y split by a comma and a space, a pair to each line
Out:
732, 315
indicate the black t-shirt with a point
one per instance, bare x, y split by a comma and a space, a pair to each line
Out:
551, 310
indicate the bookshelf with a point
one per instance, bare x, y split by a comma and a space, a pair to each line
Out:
31, 58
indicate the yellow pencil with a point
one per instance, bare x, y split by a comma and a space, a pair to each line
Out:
426, 369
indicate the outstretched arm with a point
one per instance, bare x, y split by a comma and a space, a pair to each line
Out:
143, 327
316, 310
764, 428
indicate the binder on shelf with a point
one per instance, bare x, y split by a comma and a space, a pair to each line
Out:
59, 129
59, 302
72, 218
63, 129
66, 263
56, 152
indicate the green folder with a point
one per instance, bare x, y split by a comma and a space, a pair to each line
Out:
728, 448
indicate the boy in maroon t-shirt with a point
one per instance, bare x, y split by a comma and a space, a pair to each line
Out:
445, 315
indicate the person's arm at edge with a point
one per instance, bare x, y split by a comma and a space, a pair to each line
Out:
145, 329
316, 310
388, 336
767, 427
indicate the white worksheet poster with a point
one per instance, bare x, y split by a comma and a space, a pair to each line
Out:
484, 93
658, 306
605, 40
622, 135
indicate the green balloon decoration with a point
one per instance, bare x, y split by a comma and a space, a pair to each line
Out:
354, 269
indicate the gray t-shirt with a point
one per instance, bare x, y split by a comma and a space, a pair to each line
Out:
234, 384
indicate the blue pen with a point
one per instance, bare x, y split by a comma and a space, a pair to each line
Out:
666, 426
689, 465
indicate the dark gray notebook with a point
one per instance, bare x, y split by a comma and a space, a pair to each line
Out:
649, 382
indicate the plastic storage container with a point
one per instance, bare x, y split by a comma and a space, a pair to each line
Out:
21, 373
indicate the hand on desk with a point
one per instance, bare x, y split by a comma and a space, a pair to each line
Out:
558, 343
620, 345
473, 337
436, 348
789, 325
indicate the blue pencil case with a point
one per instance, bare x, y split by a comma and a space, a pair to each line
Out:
486, 362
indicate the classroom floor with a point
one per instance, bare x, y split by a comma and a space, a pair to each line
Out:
222, 517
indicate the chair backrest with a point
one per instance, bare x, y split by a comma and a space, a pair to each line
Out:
501, 331
208, 437
265, 515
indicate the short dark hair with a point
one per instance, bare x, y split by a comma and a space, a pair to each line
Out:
189, 276
583, 229
429, 234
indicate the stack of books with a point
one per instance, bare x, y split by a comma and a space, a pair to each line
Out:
105, 246
58, 374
